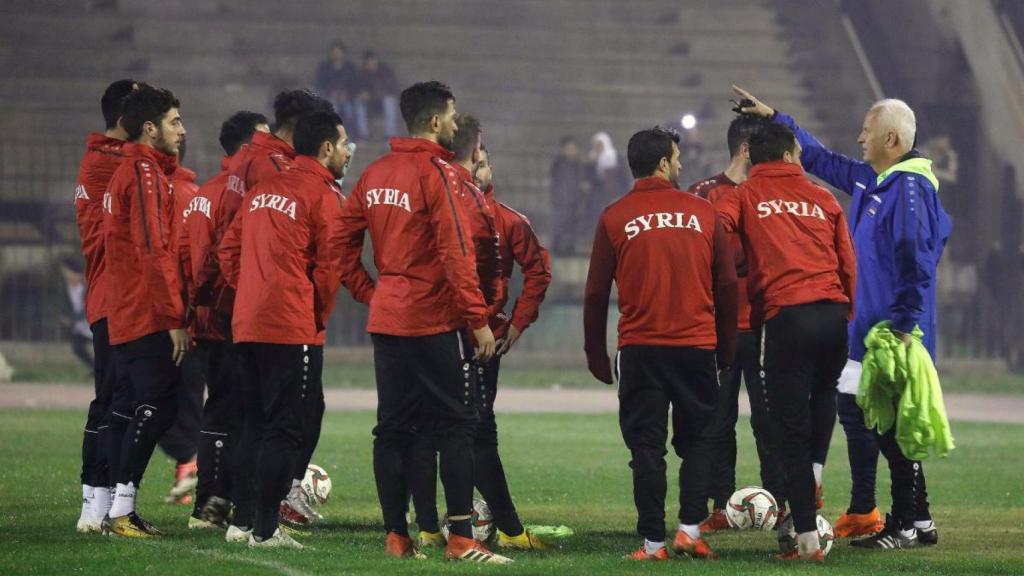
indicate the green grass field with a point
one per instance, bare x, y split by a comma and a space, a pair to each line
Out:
360, 375
563, 470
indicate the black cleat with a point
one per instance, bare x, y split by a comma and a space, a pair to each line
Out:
888, 539
929, 536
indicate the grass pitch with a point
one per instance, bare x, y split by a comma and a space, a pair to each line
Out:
562, 469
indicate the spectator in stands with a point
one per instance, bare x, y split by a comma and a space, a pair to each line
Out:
72, 317
339, 81
380, 91
609, 178
568, 178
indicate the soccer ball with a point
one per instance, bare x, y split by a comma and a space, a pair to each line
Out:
752, 507
787, 535
482, 521
316, 485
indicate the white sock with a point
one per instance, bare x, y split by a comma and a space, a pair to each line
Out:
124, 500
818, 469
88, 493
100, 503
653, 547
807, 543
911, 533
924, 524
691, 530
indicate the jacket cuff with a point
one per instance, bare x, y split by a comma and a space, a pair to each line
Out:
905, 325
477, 322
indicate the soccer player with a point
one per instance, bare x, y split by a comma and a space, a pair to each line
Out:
676, 280
102, 156
722, 430
289, 254
892, 185
147, 320
427, 295
270, 154
212, 331
802, 270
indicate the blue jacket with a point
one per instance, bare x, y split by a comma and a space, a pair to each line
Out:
899, 230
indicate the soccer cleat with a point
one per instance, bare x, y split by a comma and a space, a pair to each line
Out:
641, 554
197, 523
291, 517
525, 541
236, 535
185, 480
280, 539
686, 546
297, 501
794, 554
432, 539
849, 525
87, 525
928, 536
216, 511
401, 546
715, 522
889, 538
130, 526
470, 550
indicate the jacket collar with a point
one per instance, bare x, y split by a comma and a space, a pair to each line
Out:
421, 145
225, 162
912, 162
183, 174
99, 140
776, 168
651, 184
273, 143
310, 164
166, 162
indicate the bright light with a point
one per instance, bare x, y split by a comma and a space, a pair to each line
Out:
689, 121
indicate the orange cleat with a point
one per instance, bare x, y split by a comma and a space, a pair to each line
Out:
641, 554
399, 546
850, 525
686, 546
470, 550
185, 480
715, 522
794, 554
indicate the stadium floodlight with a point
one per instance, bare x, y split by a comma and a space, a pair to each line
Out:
688, 121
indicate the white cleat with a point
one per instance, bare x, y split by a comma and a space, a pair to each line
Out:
280, 539
236, 535
88, 525
298, 502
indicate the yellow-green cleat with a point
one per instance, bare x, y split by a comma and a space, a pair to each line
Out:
130, 526
525, 541
432, 540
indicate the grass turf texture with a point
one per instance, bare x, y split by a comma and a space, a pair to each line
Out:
562, 469
360, 375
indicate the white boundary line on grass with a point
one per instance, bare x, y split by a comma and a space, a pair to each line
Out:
225, 557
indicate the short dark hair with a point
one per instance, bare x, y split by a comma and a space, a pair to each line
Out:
422, 101
146, 104
238, 130
112, 102
289, 105
647, 148
313, 129
771, 142
466, 138
740, 130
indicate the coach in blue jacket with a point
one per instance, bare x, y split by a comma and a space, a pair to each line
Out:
899, 230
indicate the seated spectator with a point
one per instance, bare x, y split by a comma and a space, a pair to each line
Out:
568, 179
380, 91
338, 80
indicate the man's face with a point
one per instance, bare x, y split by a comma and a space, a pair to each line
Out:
872, 139
337, 55
339, 155
168, 135
674, 166
571, 150
484, 175
448, 128
370, 64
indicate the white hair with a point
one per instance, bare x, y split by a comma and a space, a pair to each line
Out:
895, 115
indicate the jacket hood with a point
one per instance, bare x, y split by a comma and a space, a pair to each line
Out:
915, 164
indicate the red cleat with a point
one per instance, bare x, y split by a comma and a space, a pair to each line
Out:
686, 546
470, 550
291, 517
641, 554
715, 522
399, 546
851, 525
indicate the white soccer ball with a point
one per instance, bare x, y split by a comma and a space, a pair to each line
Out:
482, 521
316, 485
787, 535
752, 507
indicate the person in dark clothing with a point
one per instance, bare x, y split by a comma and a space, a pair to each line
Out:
339, 81
568, 177
73, 315
380, 91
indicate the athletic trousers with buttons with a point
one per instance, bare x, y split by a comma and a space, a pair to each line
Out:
426, 393
222, 417
282, 393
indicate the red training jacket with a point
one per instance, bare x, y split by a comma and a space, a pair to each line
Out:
519, 244
427, 281
795, 237
481, 218
673, 265
712, 190
289, 252
102, 157
202, 321
141, 257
